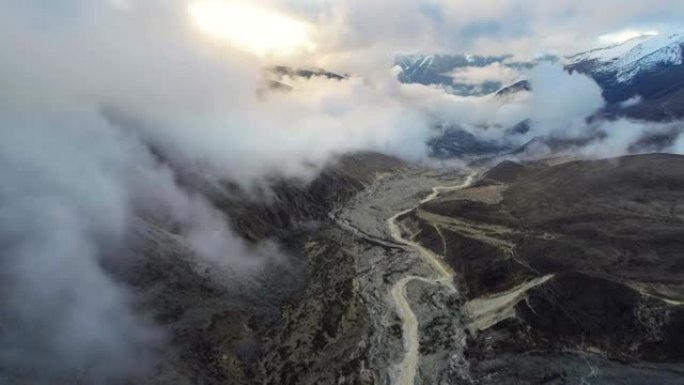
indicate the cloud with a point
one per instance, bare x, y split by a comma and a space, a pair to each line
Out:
525, 29
495, 72
623, 36
63, 200
631, 102
678, 146
72, 182
89, 89
561, 101
616, 138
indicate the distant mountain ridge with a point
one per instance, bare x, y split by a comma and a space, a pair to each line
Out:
277, 78
647, 72
439, 70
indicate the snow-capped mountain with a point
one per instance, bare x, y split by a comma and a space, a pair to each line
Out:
648, 69
606, 54
638, 55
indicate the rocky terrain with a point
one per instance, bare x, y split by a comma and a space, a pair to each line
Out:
346, 329
575, 269
330, 313
535, 274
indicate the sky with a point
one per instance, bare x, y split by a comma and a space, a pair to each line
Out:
103, 104
525, 28
337, 30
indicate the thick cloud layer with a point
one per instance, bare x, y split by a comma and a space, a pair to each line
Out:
88, 90
63, 199
495, 72
561, 101
492, 27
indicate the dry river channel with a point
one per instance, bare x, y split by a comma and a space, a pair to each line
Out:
416, 286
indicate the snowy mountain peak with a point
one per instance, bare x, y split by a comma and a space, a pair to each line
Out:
639, 54
605, 54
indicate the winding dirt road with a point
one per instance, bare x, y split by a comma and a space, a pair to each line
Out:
408, 367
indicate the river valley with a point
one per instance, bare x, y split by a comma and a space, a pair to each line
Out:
395, 298
402, 291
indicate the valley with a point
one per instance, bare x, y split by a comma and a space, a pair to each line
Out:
441, 289
390, 277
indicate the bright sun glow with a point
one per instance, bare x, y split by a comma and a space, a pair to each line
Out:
256, 30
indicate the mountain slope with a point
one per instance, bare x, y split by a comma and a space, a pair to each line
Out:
568, 266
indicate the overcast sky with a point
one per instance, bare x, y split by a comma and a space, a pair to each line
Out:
526, 28
486, 25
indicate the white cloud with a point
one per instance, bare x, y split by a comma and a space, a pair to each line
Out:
624, 35
678, 147
631, 102
74, 177
617, 139
495, 72
493, 27
561, 101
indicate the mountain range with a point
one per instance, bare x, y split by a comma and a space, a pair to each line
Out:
443, 70
641, 78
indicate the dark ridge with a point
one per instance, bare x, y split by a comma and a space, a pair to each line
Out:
304, 72
505, 172
519, 86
